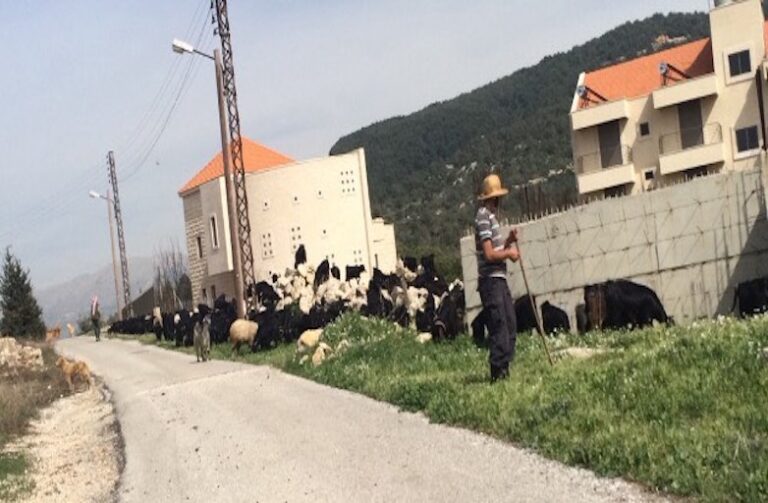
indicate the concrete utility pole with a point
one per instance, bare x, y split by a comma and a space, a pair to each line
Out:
248, 278
234, 231
115, 274
114, 258
120, 235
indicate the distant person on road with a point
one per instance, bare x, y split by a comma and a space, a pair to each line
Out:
493, 251
96, 317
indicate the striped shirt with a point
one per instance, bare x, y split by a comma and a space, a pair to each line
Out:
487, 227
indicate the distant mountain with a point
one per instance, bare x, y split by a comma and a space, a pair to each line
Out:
423, 168
69, 301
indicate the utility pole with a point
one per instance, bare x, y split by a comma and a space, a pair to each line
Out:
247, 278
120, 235
114, 259
234, 230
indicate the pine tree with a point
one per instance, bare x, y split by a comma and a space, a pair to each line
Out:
21, 314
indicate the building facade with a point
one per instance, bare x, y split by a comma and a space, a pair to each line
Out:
321, 203
698, 108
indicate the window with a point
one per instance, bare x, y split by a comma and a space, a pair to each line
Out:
746, 139
214, 233
649, 174
295, 238
266, 246
199, 246
205, 295
213, 291
740, 63
347, 182
645, 129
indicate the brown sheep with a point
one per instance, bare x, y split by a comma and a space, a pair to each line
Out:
242, 332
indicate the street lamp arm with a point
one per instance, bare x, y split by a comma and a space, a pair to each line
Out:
96, 195
204, 54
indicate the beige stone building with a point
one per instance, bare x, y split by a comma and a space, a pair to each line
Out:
321, 203
694, 109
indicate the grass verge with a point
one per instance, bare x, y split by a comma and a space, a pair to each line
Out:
680, 409
21, 397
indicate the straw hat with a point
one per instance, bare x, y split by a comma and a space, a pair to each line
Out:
492, 188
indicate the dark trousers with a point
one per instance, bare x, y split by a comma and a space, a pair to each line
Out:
499, 312
96, 327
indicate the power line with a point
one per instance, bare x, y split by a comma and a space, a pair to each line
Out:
61, 202
138, 161
52, 206
169, 77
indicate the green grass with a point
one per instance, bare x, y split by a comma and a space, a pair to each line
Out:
682, 409
13, 482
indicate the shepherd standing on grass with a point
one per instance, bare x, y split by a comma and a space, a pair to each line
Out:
493, 251
96, 317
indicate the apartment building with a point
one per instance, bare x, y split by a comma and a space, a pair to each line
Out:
694, 109
320, 203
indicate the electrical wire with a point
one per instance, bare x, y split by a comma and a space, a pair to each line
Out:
61, 203
181, 92
135, 164
169, 77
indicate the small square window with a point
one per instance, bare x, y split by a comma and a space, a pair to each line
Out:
649, 175
746, 139
740, 63
645, 129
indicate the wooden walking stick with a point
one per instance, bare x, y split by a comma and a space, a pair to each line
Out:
533, 305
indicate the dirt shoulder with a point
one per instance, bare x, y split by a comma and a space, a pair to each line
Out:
54, 446
74, 450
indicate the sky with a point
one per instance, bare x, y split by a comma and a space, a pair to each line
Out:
80, 78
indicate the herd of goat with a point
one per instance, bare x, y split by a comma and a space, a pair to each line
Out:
309, 298
415, 295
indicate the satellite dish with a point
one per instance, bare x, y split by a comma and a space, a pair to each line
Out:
663, 68
582, 91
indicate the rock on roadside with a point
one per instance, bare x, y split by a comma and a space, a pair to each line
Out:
15, 356
75, 449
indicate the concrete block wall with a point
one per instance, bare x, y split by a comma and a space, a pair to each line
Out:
692, 243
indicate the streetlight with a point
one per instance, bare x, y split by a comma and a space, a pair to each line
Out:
181, 47
110, 203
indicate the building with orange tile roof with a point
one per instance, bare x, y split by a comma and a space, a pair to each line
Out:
321, 203
665, 117
256, 157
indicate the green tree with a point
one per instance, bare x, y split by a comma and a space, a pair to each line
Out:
21, 314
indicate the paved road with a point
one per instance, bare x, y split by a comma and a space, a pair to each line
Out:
223, 431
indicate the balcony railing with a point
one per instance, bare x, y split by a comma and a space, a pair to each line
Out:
607, 158
690, 138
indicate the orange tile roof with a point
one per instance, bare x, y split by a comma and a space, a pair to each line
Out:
640, 76
256, 157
